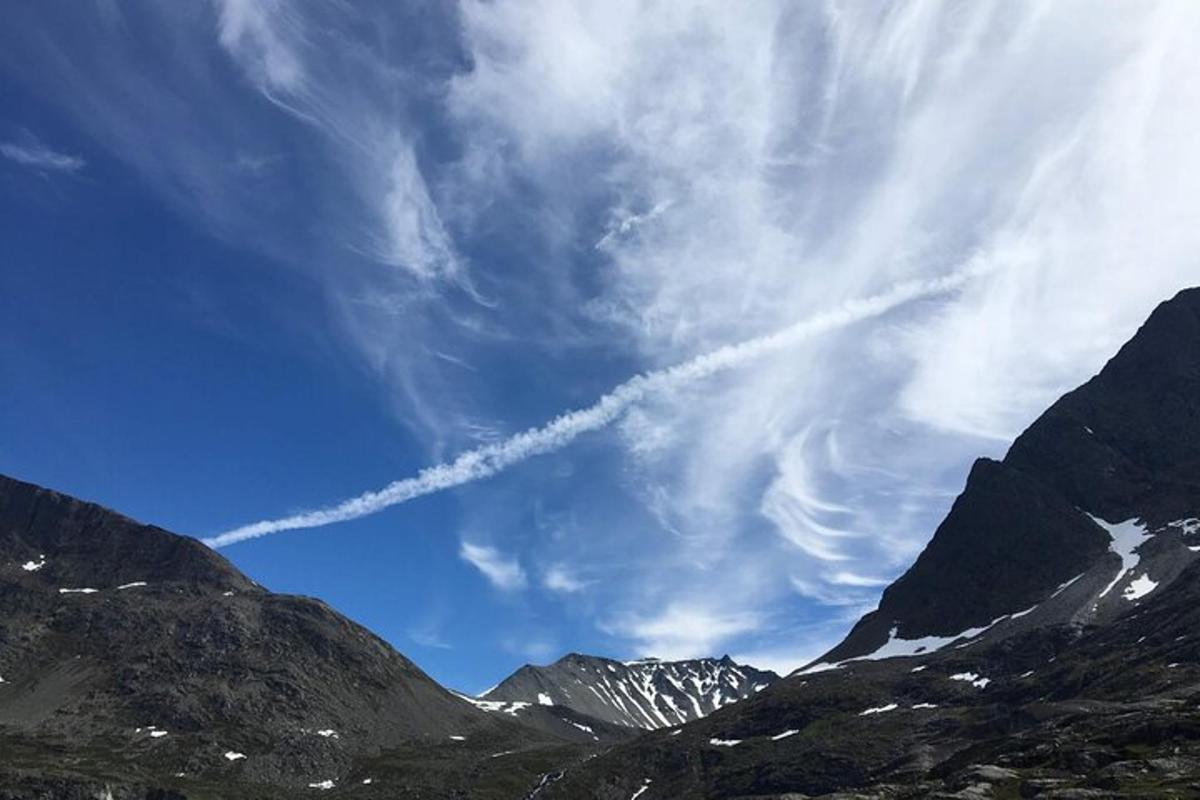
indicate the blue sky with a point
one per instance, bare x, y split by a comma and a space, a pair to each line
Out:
259, 258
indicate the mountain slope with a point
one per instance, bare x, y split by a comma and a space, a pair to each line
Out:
1111, 467
642, 694
1106, 712
1044, 643
131, 652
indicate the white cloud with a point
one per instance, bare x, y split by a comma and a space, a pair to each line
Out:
487, 460
853, 579
257, 32
429, 637
531, 646
559, 578
369, 137
35, 155
815, 153
734, 168
505, 573
685, 631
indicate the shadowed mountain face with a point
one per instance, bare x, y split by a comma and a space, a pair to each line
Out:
1045, 644
643, 694
148, 656
1124, 446
103, 616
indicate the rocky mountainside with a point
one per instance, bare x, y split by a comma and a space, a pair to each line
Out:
1045, 644
1092, 508
142, 658
647, 694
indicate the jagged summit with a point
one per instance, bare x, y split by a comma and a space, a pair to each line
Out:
644, 693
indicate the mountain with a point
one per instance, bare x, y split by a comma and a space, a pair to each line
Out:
1092, 508
647, 693
136, 661
1046, 643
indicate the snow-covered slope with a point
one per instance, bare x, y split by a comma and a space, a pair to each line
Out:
643, 694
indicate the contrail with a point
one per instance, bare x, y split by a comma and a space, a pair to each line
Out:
485, 461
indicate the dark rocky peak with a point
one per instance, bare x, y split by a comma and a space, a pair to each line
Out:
1102, 484
1127, 442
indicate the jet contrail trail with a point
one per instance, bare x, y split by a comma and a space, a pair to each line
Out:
485, 461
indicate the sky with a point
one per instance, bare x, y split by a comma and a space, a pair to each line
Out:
512, 329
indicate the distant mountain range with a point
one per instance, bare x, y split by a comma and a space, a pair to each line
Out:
1045, 644
647, 694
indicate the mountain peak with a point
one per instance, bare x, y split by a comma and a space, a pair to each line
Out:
645, 693
1122, 448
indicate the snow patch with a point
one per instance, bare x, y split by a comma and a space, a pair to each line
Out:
1026, 612
233, 756
329, 733
971, 678
544, 699
724, 742
642, 790
895, 647
1062, 587
498, 706
1139, 587
879, 710
1188, 526
78, 591
455, 738
1126, 537
925, 705
322, 785
34, 566
784, 735
131, 585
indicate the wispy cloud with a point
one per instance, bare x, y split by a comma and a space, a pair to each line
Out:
35, 155
685, 631
817, 150
429, 637
273, 42
559, 578
483, 462
815, 154
503, 572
